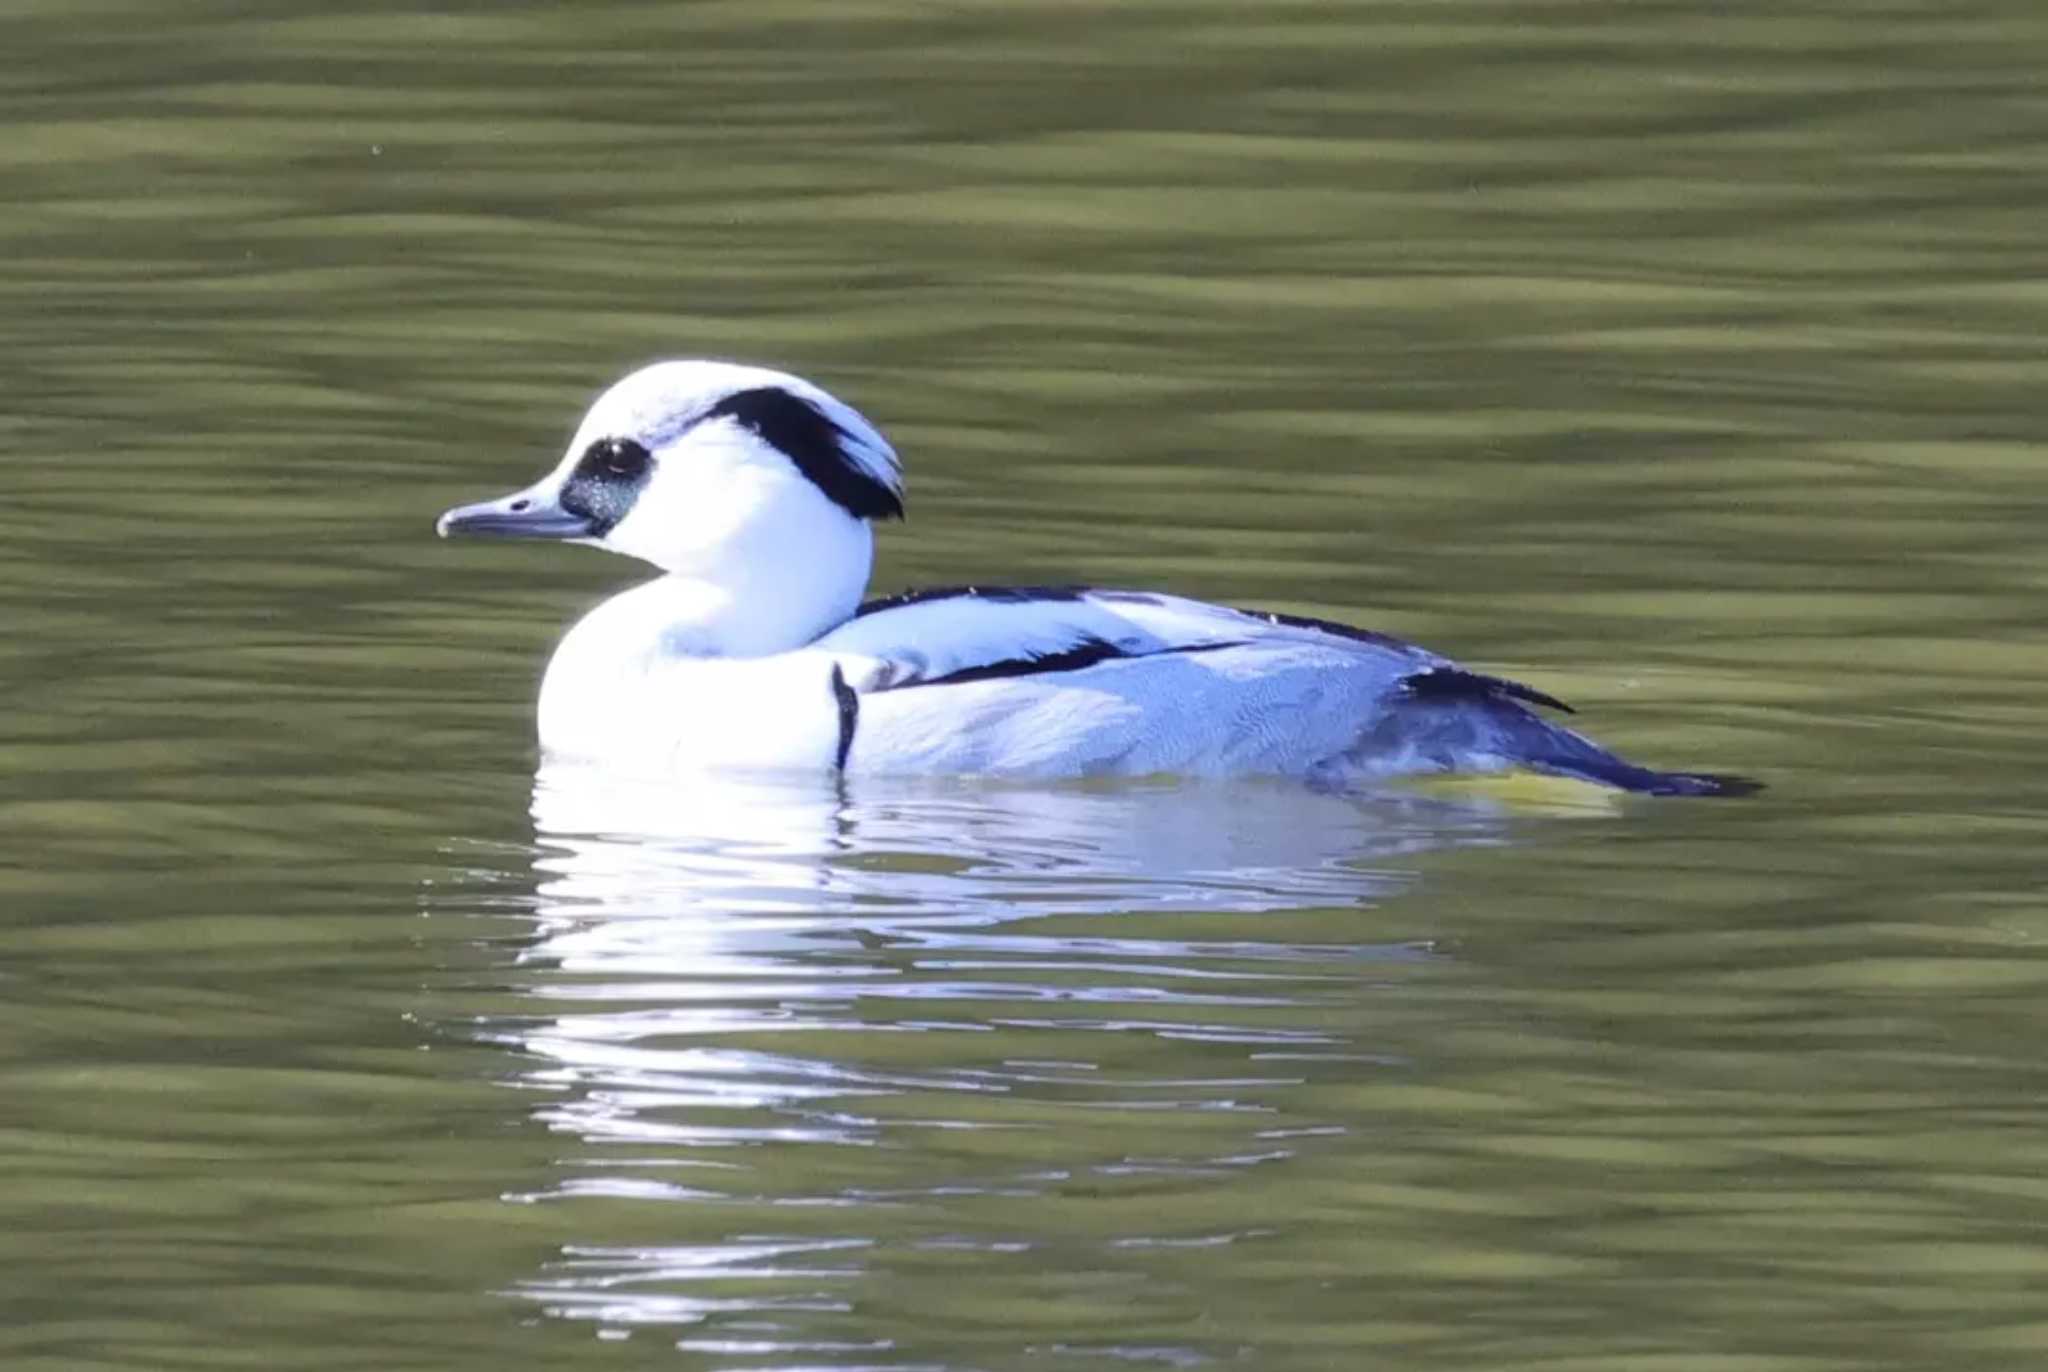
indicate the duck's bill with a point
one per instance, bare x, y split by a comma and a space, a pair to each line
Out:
521, 515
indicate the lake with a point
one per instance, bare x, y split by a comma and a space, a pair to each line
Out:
1684, 361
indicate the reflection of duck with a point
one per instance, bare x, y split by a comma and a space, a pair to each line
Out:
668, 913
773, 1004
755, 491
942, 852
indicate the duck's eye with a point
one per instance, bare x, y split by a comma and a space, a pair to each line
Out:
620, 457
606, 481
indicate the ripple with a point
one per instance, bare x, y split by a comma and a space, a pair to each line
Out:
777, 997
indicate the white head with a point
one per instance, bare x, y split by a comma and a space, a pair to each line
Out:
752, 484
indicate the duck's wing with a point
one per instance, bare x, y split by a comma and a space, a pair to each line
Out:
978, 633
1065, 681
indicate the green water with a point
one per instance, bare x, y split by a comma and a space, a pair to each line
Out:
1683, 360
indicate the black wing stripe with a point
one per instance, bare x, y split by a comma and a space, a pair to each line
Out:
1000, 595
1087, 653
1025, 595
1328, 626
1440, 683
1455, 683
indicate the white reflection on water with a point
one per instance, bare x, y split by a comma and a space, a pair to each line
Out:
685, 933
969, 852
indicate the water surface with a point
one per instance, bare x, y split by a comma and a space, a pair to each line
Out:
1682, 360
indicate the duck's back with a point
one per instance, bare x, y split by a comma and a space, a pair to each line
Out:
1068, 682
1060, 682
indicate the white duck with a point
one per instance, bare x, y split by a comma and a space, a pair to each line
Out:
756, 492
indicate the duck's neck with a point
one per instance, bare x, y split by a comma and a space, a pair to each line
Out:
680, 616
753, 602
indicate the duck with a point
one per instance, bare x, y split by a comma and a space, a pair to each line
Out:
756, 493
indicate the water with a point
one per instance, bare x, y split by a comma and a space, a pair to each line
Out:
1683, 361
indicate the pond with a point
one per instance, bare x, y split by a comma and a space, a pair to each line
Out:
1683, 361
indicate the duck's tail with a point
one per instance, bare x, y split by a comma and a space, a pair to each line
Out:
1609, 770
1474, 715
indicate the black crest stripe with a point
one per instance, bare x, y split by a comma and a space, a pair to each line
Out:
807, 436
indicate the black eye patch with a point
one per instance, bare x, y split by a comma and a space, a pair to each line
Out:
607, 480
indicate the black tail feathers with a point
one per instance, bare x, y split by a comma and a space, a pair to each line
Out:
1489, 714
1612, 771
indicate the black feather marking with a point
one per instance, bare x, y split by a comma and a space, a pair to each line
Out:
999, 595
807, 436
848, 701
1086, 653
1329, 626
1022, 595
1455, 683
1596, 764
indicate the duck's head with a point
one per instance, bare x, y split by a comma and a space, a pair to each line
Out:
752, 487
693, 465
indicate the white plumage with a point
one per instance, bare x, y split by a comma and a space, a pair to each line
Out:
755, 492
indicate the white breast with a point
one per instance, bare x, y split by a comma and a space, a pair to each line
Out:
637, 699
769, 713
